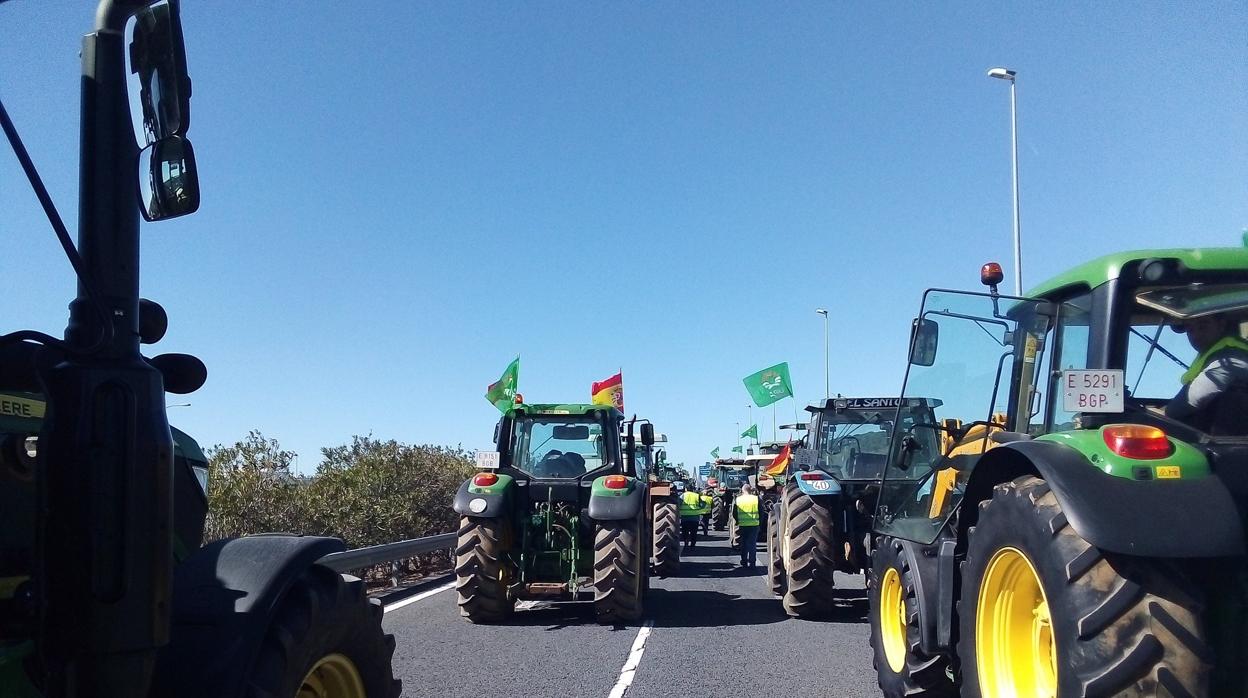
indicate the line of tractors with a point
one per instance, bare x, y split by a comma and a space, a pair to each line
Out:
1030, 521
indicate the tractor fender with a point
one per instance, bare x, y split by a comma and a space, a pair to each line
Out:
616, 507
495, 499
1147, 518
224, 599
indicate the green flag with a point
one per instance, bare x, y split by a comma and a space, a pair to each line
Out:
769, 384
751, 433
502, 394
736, 449
715, 452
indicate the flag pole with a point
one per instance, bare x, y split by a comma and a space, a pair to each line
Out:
773, 421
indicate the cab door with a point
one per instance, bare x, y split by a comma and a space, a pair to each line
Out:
972, 373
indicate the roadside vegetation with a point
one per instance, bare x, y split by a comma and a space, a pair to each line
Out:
366, 492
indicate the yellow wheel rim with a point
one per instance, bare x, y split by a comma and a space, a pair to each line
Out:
892, 612
1014, 644
333, 676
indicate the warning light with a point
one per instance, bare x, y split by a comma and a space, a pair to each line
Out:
990, 274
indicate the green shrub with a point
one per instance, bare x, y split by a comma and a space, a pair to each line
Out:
367, 492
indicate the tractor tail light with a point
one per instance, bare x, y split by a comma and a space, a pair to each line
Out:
812, 476
484, 479
1137, 441
615, 482
723, 489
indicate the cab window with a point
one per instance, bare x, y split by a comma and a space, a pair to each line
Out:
557, 447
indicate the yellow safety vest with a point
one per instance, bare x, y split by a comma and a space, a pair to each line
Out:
1203, 360
707, 501
690, 504
747, 510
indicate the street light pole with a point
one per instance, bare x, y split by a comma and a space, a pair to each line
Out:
1007, 74
827, 381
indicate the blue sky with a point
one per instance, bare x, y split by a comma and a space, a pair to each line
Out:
399, 199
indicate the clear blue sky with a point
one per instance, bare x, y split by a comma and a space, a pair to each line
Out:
400, 197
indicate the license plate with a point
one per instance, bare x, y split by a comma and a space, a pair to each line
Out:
487, 460
1092, 391
1168, 472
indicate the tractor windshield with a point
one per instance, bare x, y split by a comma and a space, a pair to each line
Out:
731, 478
853, 444
557, 446
973, 374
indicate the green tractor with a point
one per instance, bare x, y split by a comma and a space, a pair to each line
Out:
822, 524
557, 508
1053, 528
105, 586
726, 478
664, 507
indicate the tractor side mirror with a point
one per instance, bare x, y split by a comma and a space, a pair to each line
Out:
168, 182
158, 60
924, 337
647, 434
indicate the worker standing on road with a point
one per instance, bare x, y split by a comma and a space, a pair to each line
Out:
707, 500
690, 512
745, 510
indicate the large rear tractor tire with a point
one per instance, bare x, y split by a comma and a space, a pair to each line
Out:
719, 513
808, 549
775, 565
482, 573
619, 571
901, 667
666, 539
326, 639
1043, 612
734, 533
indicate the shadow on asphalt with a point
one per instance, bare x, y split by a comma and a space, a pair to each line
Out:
706, 609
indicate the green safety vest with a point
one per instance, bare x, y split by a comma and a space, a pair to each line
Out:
691, 504
1203, 360
747, 509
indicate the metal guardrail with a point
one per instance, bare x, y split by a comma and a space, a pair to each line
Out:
359, 558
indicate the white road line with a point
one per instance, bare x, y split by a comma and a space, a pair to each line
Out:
634, 658
422, 595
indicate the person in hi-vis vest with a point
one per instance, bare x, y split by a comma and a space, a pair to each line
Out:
745, 510
690, 512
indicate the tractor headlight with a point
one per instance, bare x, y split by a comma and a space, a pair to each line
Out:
477, 505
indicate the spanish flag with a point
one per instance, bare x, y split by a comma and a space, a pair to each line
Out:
781, 463
609, 392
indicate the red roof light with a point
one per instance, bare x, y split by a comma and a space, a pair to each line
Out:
990, 274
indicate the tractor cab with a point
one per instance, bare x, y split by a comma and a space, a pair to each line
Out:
1102, 410
850, 436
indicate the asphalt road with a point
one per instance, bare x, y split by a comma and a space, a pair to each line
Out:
706, 632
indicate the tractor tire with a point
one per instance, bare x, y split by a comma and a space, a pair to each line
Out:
1117, 625
481, 571
719, 513
619, 572
666, 539
734, 533
775, 566
326, 635
808, 545
901, 667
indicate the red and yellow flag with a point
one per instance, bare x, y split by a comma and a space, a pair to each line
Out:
781, 463
609, 392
